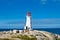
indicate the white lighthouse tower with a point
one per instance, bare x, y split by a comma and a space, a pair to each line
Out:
28, 21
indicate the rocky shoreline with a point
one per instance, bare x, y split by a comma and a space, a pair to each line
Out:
31, 35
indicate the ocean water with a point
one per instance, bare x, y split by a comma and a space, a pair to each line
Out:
52, 30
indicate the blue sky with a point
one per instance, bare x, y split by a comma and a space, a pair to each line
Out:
45, 13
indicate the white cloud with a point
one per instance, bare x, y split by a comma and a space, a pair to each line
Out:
43, 1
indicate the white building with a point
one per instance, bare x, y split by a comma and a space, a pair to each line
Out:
28, 22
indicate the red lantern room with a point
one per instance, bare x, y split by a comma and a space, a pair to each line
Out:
29, 14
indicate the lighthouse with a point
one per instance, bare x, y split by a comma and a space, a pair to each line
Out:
28, 22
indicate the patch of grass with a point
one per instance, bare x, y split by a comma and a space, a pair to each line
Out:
25, 37
6, 39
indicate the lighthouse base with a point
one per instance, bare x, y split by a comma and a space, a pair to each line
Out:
28, 31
